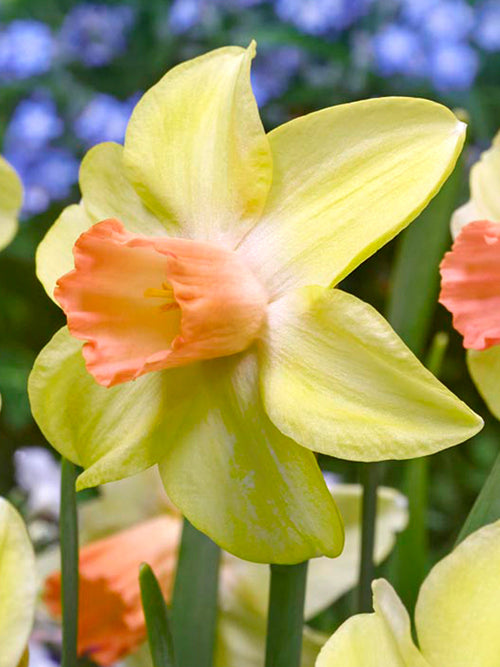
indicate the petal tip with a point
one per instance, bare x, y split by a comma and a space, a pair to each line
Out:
252, 49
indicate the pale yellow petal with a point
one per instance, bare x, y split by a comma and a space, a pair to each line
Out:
484, 182
469, 212
381, 639
17, 586
457, 613
484, 367
113, 432
337, 379
54, 255
107, 193
196, 150
11, 197
346, 180
261, 496
246, 585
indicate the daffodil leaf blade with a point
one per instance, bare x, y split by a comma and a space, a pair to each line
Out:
486, 509
157, 619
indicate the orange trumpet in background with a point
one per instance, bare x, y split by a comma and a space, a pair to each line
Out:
111, 621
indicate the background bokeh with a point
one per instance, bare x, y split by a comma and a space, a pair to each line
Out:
71, 72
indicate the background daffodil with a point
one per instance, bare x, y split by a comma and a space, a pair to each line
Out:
11, 195
212, 263
470, 275
17, 587
132, 522
456, 616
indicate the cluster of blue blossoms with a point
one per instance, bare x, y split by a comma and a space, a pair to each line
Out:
440, 43
92, 35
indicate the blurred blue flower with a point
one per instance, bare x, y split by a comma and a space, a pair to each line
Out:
448, 20
34, 123
487, 30
47, 175
453, 66
318, 17
240, 4
398, 49
415, 11
104, 119
26, 49
273, 70
184, 15
95, 34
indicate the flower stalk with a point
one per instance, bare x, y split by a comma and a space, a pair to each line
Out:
370, 475
286, 615
69, 564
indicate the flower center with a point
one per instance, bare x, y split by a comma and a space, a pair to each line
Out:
165, 292
144, 304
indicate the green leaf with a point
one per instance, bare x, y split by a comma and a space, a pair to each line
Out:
415, 286
486, 509
194, 611
415, 279
157, 621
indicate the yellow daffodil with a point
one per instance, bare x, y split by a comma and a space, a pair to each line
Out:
456, 616
206, 250
132, 522
471, 276
11, 195
17, 587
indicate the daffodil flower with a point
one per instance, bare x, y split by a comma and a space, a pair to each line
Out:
470, 285
11, 194
17, 587
456, 616
132, 522
206, 251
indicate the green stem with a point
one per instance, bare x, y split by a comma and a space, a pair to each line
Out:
370, 478
194, 610
285, 623
68, 526
160, 640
